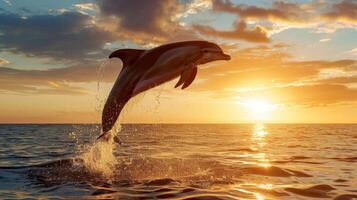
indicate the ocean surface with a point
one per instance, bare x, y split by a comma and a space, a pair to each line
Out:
242, 161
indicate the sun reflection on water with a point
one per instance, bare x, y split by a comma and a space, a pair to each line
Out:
259, 196
267, 186
259, 132
258, 138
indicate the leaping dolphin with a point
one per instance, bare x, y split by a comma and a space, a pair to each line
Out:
145, 69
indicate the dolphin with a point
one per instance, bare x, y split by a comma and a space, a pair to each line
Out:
146, 69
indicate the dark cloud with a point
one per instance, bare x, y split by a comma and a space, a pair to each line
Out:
69, 35
152, 17
343, 11
240, 32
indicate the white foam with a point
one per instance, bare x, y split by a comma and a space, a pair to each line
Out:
100, 158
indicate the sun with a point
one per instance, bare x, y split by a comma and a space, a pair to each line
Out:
259, 109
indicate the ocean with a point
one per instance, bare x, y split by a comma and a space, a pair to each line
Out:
179, 161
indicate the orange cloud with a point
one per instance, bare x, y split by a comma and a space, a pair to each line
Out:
280, 11
240, 32
311, 95
264, 71
260, 70
340, 80
55, 81
3, 61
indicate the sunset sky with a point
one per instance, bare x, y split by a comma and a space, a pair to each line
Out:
292, 61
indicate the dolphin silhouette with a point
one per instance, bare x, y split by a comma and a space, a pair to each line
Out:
145, 69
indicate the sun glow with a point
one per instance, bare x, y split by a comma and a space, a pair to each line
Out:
259, 109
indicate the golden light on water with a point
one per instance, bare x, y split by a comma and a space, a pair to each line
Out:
259, 109
259, 133
267, 186
258, 137
259, 196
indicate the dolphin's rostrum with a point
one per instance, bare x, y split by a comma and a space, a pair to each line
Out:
145, 69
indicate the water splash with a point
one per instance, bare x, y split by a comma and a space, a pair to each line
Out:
157, 100
99, 156
100, 74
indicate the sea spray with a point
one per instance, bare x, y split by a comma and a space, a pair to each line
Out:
100, 73
99, 156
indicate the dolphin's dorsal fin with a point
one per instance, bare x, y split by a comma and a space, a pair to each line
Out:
127, 56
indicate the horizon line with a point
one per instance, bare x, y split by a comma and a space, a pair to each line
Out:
176, 123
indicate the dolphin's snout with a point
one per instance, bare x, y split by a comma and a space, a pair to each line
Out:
225, 56
222, 56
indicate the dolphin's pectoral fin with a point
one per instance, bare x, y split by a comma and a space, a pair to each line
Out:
190, 77
185, 75
182, 78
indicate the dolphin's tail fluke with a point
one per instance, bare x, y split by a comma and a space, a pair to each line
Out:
107, 136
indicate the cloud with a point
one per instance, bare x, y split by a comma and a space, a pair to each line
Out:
353, 51
69, 35
240, 32
340, 80
7, 2
153, 17
311, 95
85, 6
280, 11
325, 40
345, 11
265, 71
318, 15
149, 23
196, 6
56, 81
261, 70
3, 61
